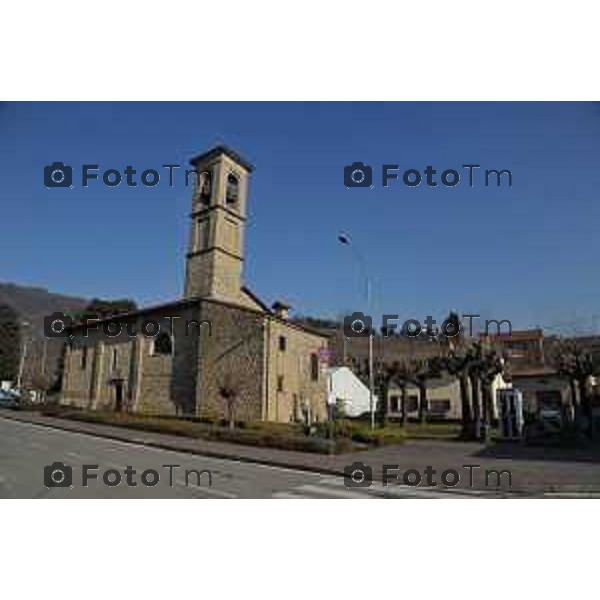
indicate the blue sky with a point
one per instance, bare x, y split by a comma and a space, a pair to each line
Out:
528, 253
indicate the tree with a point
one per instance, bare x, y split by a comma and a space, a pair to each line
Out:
415, 371
491, 365
424, 370
10, 345
385, 374
458, 364
577, 366
100, 309
229, 391
453, 335
42, 382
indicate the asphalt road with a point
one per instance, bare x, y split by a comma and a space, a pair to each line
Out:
26, 450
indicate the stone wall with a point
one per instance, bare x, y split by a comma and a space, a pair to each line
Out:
150, 383
241, 352
231, 359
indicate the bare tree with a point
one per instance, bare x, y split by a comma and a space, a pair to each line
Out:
577, 365
458, 364
230, 390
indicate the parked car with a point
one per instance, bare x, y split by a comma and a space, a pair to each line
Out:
9, 399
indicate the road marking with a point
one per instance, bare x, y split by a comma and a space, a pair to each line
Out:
290, 496
37, 446
74, 455
206, 490
572, 494
405, 491
337, 492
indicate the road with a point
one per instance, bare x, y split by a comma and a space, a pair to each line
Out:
26, 449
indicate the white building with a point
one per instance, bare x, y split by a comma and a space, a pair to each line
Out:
348, 392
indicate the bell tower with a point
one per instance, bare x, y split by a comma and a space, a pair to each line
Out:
215, 255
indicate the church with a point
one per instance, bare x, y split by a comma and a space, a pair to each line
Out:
250, 363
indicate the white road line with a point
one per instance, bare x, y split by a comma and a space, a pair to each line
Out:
74, 455
37, 446
290, 496
572, 494
404, 491
206, 490
340, 492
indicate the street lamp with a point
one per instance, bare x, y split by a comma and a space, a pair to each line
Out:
23, 356
345, 239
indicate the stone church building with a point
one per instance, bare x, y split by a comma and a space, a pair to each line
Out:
220, 350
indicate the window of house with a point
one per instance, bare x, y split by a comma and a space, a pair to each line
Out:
115, 359
232, 193
84, 352
163, 345
439, 407
282, 343
412, 403
394, 404
280, 383
314, 367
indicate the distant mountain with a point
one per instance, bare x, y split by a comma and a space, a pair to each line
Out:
33, 304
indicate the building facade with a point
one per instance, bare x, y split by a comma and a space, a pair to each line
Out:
346, 392
220, 351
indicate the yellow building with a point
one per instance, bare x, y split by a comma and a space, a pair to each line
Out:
220, 350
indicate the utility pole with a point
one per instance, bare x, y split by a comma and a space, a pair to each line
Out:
22, 365
345, 239
24, 324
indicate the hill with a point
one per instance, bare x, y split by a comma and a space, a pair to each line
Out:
33, 304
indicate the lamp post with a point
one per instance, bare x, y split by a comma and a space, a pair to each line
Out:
345, 239
23, 357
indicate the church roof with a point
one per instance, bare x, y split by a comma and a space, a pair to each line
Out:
217, 151
262, 307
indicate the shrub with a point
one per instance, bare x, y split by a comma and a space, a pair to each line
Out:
361, 432
208, 415
264, 434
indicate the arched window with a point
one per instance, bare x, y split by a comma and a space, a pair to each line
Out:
232, 193
204, 185
163, 345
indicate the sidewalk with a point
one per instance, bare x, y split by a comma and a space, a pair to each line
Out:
533, 471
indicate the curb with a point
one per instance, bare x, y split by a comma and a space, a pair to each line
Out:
174, 448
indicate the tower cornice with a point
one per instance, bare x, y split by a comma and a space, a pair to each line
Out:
218, 151
213, 207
